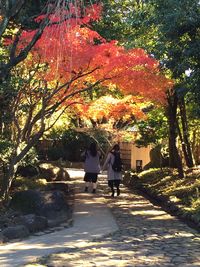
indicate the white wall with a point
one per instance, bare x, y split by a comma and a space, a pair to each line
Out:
141, 153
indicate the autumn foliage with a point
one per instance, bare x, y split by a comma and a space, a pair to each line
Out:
71, 49
107, 108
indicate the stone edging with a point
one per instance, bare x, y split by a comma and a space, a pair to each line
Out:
63, 225
164, 202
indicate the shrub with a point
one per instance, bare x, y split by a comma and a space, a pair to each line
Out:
55, 153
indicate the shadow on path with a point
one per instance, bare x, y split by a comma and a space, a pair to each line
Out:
92, 219
147, 236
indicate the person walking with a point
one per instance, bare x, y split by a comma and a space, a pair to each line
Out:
113, 164
91, 166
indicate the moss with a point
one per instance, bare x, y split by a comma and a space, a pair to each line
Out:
165, 185
22, 183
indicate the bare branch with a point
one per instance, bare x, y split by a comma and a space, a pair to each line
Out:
3, 25
8, 13
14, 45
16, 8
62, 112
67, 84
13, 61
56, 105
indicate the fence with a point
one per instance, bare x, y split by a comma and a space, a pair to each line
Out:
125, 148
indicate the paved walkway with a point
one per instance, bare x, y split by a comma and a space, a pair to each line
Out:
144, 236
92, 219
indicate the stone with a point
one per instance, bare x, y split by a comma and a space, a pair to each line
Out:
28, 170
47, 172
55, 222
4, 221
2, 239
62, 175
13, 232
28, 201
50, 204
59, 186
156, 158
55, 204
33, 222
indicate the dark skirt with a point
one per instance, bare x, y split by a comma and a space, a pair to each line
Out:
90, 177
114, 183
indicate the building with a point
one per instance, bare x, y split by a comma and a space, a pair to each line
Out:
134, 157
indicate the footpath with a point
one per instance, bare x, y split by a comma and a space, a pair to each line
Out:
125, 231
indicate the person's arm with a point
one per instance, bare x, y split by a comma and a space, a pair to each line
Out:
83, 155
107, 161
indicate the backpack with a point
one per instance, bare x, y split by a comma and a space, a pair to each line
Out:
117, 164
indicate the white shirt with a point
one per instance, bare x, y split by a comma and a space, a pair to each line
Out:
111, 175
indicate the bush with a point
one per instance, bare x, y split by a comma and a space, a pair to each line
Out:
69, 144
75, 142
55, 153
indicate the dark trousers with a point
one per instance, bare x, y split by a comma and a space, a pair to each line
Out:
114, 183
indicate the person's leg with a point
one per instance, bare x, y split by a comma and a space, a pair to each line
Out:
111, 185
94, 182
113, 191
87, 182
86, 186
117, 184
94, 187
118, 191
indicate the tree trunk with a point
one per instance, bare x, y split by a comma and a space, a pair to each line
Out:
183, 144
14, 162
174, 157
188, 154
7, 180
196, 146
1, 124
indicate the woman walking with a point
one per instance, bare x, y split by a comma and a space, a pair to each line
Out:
113, 164
91, 166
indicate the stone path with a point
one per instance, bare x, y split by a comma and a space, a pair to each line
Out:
146, 236
91, 219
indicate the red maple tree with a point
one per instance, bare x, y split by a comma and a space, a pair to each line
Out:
69, 59
74, 52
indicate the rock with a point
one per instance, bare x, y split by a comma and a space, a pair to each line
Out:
57, 221
59, 186
62, 175
13, 232
2, 238
28, 171
155, 157
46, 203
29, 201
55, 205
4, 221
33, 211
53, 173
33, 222
47, 173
